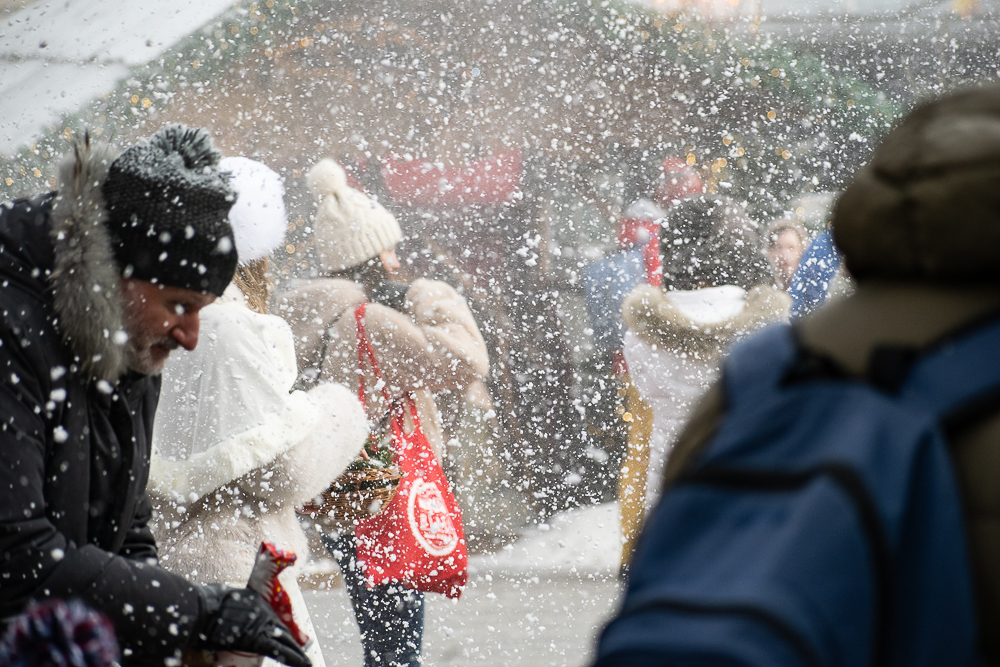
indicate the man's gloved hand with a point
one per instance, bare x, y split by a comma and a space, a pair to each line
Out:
239, 619
390, 294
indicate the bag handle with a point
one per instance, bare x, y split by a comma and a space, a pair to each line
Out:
365, 351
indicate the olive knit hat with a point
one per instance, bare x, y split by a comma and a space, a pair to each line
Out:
168, 207
927, 206
350, 227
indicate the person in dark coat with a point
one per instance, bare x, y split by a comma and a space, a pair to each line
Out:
101, 280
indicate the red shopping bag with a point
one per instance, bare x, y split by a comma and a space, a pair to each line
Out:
418, 539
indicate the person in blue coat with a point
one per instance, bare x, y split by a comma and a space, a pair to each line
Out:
810, 285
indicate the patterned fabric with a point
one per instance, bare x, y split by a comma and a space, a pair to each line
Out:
59, 634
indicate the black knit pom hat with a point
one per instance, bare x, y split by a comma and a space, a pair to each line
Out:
168, 207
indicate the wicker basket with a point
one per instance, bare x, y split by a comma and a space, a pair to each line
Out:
355, 494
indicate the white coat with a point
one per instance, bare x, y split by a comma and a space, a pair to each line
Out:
235, 450
673, 346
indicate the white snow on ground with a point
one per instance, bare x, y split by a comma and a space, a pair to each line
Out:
57, 55
585, 541
582, 541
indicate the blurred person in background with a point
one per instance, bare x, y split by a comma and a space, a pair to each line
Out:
906, 366
606, 283
425, 340
678, 180
715, 288
235, 450
785, 240
819, 276
638, 263
103, 279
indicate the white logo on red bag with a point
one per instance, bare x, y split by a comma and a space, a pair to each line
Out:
429, 519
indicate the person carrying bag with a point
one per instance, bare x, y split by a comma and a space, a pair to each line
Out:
833, 499
422, 340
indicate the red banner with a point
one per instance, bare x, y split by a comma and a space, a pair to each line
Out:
490, 180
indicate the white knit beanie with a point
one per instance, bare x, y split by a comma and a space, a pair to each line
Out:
258, 217
350, 227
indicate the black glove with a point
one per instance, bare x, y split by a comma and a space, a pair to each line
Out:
390, 294
239, 619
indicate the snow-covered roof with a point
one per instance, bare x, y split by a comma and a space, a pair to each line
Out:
57, 55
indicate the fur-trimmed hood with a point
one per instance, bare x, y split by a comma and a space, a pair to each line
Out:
650, 313
85, 279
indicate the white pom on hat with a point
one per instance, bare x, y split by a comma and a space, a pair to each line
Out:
350, 227
325, 178
258, 217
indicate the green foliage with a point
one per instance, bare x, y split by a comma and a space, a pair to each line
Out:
378, 447
801, 124
764, 120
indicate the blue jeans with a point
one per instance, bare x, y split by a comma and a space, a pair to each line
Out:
390, 617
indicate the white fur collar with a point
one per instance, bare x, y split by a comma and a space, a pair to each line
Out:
85, 279
187, 480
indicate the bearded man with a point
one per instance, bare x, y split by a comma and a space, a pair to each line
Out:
101, 280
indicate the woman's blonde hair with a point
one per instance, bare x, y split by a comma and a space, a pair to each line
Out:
255, 281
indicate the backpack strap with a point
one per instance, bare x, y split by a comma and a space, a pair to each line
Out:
759, 363
959, 378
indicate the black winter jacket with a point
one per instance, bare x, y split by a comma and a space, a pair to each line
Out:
75, 435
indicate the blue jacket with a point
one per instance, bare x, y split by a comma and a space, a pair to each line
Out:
811, 282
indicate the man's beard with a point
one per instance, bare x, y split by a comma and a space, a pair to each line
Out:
141, 358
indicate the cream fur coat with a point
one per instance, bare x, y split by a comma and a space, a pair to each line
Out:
235, 450
433, 345
673, 344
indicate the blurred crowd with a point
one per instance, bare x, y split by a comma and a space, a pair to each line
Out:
140, 483
694, 274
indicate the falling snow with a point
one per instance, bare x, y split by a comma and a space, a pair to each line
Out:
512, 141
